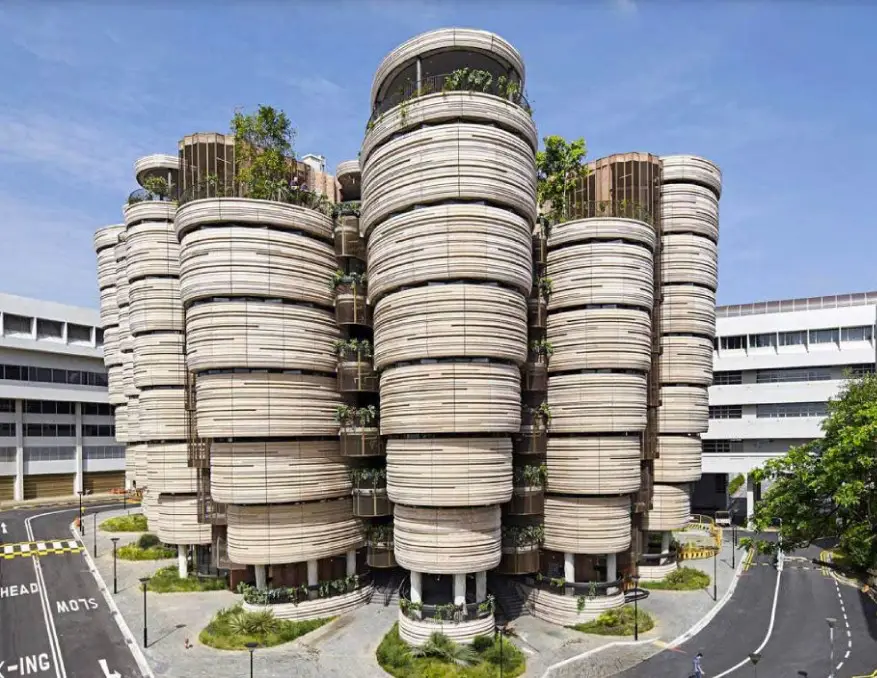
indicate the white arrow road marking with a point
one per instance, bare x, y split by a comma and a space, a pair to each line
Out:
2, 664
3, 528
106, 670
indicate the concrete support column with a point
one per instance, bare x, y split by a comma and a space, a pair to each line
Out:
611, 566
460, 591
183, 561
78, 480
569, 567
665, 546
313, 573
18, 489
750, 498
419, 74
481, 586
261, 577
416, 587
351, 562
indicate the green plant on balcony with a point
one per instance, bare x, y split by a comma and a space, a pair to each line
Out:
380, 534
345, 283
409, 607
357, 350
469, 80
348, 208
557, 582
541, 348
157, 186
544, 287
488, 605
543, 413
530, 475
264, 155
520, 536
368, 478
558, 167
348, 416
345, 414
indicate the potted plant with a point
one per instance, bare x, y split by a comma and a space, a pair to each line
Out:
351, 306
355, 370
358, 430
520, 548
370, 492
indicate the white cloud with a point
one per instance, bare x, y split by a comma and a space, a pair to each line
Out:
625, 6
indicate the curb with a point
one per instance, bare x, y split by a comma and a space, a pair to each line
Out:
136, 650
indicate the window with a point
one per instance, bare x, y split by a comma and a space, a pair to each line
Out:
791, 410
16, 324
97, 409
7, 429
48, 407
7, 454
728, 378
793, 338
78, 334
721, 481
103, 452
98, 336
763, 340
823, 336
721, 446
98, 431
857, 371
7, 405
49, 430
726, 412
863, 333
60, 453
49, 329
52, 376
732, 343
793, 374
14, 372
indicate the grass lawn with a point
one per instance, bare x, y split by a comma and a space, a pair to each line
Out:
135, 522
233, 627
398, 659
167, 580
618, 622
680, 579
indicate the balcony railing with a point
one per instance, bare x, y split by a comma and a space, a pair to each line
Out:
283, 190
361, 442
519, 559
537, 313
357, 375
446, 612
351, 307
590, 589
298, 594
526, 501
143, 195
380, 554
623, 209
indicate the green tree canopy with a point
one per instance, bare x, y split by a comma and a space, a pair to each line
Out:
558, 166
828, 487
263, 151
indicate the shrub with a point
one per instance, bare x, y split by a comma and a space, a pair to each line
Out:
618, 622
167, 580
147, 541
680, 579
138, 552
481, 643
234, 627
135, 522
735, 484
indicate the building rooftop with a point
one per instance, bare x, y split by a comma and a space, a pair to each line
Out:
802, 304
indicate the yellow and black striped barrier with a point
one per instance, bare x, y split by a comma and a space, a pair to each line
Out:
39, 548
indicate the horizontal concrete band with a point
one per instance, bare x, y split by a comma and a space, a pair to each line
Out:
449, 471
600, 338
139, 453
125, 340
153, 250
459, 397
445, 107
597, 402
318, 608
149, 506
686, 360
112, 350
109, 306
656, 572
416, 632
692, 168
594, 465
605, 229
456, 161
178, 520
594, 525
671, 508
128, 386
689, 258
346, 168
446, 40
265, 404
601, 273
447, 540
159, 360
115, 390
122, 285
277, 472
155, 306
255, 212
564, 610
686, 208
148, 210
167, 468
679, 460
238, 261
450, 321
256, 334
683, 409
689, 309
163, 414
158, 164
107, 237
134, 419
106, 269
450, 242
292, 533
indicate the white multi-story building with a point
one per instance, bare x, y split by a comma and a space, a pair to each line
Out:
775, 366
57, 434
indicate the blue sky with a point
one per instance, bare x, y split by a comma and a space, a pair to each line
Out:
781, 94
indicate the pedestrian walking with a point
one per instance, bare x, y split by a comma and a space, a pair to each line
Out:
698, 669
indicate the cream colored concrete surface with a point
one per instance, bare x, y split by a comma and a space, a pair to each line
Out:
679, 460
600, 338
594, 464
163, 414
261, 472
450, 321
167, 468
564, 610
250, 261
178, 520
683, 409
454, 397
686, 360
689, 258
254, 212
115, 389
444, 107
417, 632
155, 306
602, 229
597, 402
106, 269
148, 211
449, 471
656, 572
128, 386
153, 250
159, 360
692, 169
688, 309
447, 540
450, 242
126, 343
112, 352
456, 161
109, 306
595, 525
347, 167
149, 505
319, 608
292, 533
671, 508
158, 164
686, 208
133, 414
447, 40
139, 453
239, 333
107, 237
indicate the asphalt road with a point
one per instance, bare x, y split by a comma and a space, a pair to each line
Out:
62, 627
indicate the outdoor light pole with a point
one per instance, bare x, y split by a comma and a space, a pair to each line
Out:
500, 630
252, 648
715, 574
115, 540
733, 546
755, 657
831, 621
635, 607
144, 581
81, 526
94, 533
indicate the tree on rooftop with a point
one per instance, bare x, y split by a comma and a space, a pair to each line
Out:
264, 153
558, 166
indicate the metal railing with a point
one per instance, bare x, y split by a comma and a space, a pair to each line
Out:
300, 594
285, 191
564, 588
144, 195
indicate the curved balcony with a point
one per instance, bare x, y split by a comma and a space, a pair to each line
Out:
155, 165
526, 501
595, 226
519, 559
112, 352
348, 243
159, 360
450, 321
692, 169
109, 306
155, 306
325, 599
683, 409
679, 459
381, 555
594, 465
371, 502
134, 420
107, 237
539, 249
573, 603
592, 525
656, 566
453, 242
686, 359
534, 375
358, 441
106, 268
128, 387
460, 397
349, 176
457, 161
687, 208
688, 258
537, 313
153, 250
352, 309
531, 440
688, 309
357, 376
178, 520
601, 338
671, 509
597, 402
416, 632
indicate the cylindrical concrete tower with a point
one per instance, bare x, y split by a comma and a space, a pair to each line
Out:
448, 188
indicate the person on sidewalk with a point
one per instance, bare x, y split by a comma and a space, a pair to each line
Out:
698, 669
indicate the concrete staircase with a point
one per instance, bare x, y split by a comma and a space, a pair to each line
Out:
387, 584
509, 602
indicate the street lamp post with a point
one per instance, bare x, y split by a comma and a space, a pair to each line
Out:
94, 533
755, 657
144, 581
115, 541
252, 648
635, 579
715, 574
81, 525
733, 546
831, 621
499, 632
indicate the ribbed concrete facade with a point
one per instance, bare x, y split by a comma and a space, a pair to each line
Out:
448, 205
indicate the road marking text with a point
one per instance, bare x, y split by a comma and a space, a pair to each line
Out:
27, 665
76, 604
19, 590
